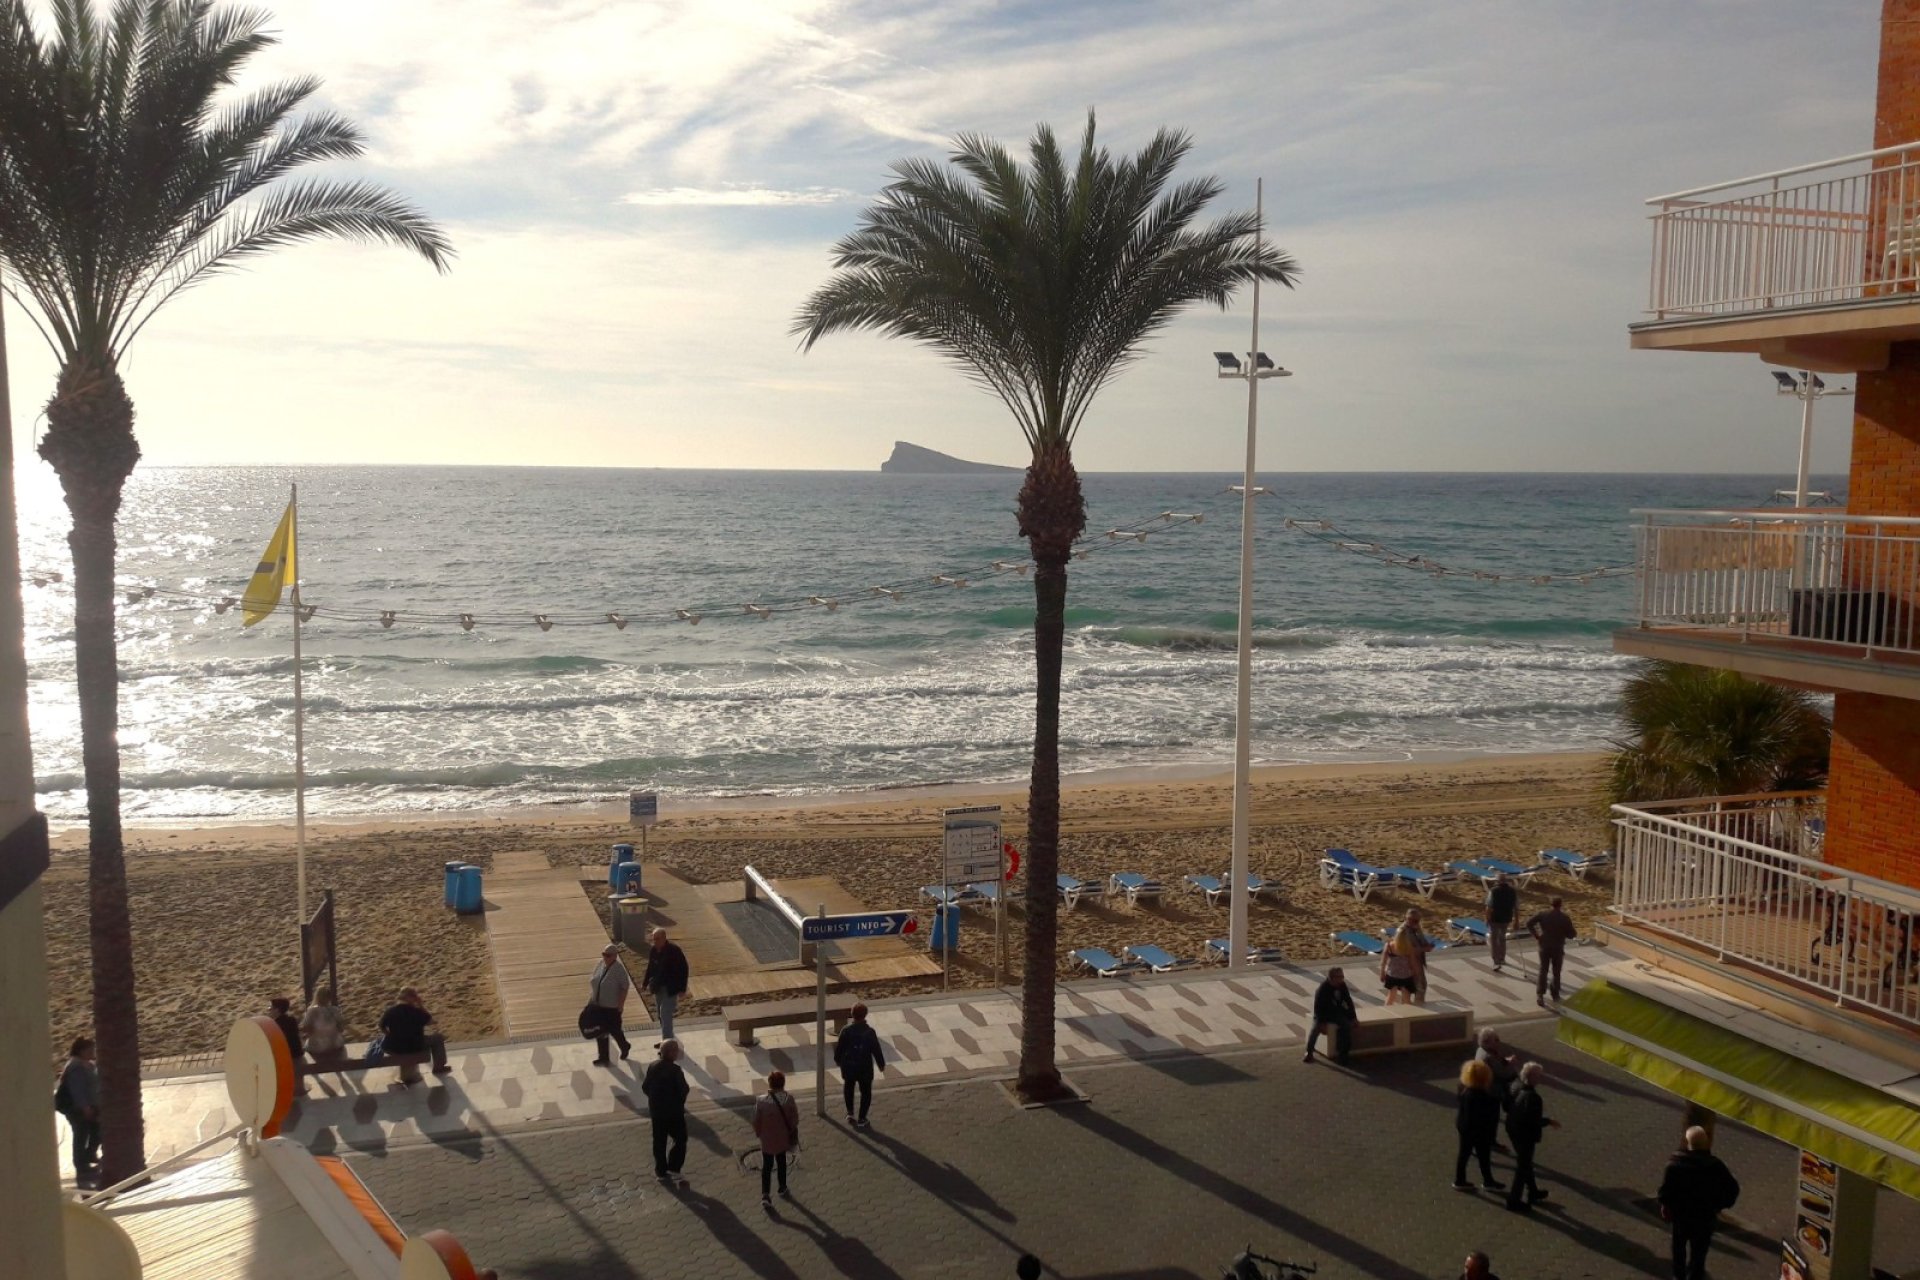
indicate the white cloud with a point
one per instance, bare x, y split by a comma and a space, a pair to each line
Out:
738, 197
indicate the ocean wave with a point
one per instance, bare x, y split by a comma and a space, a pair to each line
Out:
1202, 640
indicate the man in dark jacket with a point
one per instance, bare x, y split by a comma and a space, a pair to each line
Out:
1553, 930
1696, 1188
1503, 908
665, 1086
666, 978
857, 1054
1527, 1123
405, 1027
1333, 1013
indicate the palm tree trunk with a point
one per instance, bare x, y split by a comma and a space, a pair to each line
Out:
1052, 516
90, 444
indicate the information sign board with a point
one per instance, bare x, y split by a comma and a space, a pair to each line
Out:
867, 924
643, 808
970, 844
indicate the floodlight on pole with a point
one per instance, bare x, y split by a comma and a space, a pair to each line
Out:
1806, 388
1257, 365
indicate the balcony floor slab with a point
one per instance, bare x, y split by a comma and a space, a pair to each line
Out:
1811, 664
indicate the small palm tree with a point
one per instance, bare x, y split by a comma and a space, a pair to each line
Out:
126, 175
1042, 282
1694, 732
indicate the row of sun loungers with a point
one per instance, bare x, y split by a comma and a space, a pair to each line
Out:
1149, 958
1132, 886
1461, 931
1340, 869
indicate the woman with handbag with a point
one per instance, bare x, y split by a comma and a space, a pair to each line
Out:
606, 1001
776, 1122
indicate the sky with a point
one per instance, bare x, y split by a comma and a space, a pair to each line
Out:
642, 194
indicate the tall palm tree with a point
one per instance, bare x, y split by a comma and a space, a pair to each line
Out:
1693, 732
1042, 281
128, 173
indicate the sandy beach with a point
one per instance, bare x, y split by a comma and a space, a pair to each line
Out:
214, 919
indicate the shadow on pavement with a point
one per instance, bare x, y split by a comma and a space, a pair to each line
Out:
849, 1255
601, 1266
757, 1256
944, 1180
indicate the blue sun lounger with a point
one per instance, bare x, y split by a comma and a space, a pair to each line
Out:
1155, 958
1433, 943
1218, 949
1072, 889
1513, 869
1216, 887
1101, 961
1473, 869
1421, 882
948, 895
1355, 943
1339, 869
989, 892
1134, 886
1574, 864
1466, 929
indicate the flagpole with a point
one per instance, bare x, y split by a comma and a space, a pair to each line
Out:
299, 719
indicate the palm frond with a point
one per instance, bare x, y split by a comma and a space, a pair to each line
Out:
1692, 732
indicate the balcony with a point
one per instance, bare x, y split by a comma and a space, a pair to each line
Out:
1822, 599
1739, 879
1816, 267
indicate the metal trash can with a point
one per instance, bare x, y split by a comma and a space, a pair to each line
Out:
453, 876
467, 896
626, 879
630, 921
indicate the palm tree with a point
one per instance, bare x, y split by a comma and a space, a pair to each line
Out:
126, 175
1694, 732
1042, 281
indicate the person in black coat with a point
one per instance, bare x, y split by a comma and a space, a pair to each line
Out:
665, 1087
1697, 1186
1477, 1118
1503, 908
857, 1054
1333, 1013
1527, 1122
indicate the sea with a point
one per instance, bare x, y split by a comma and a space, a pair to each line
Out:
1359, 655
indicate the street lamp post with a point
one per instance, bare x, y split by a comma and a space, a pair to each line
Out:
1806, 388
1256, 367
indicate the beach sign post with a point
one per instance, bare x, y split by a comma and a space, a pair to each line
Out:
643, 811
970, 851
825, 928
317, 953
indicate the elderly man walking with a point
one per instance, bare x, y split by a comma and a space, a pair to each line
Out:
666, 978
665, 1087
1553, 930
607, 993
1527, 1123
1697, 1186
857, 1054
1503, 908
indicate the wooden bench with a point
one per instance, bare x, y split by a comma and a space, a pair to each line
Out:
745, 1019
357, 1063
1396, 1028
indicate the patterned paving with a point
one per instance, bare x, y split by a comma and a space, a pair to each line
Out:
497, 1088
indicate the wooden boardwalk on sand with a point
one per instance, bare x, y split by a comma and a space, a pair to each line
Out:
545, 938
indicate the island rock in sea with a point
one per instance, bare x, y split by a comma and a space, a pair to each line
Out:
911, 459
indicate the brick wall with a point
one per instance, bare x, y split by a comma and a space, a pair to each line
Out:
1873, 790
1884, 476
1896, 116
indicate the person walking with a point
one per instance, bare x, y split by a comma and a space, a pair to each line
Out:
1527, 1123
1403, 962
1553, 930
1477, 1267
607, 992
665, 1087
1503, 1066
1503, 908
77, 1099
323, 1028
1697, 1187
1333, 1013
776, 1122
857, 1054
666, 978
1477, 1118
405, 1027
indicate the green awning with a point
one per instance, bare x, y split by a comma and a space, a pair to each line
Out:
1852, 1124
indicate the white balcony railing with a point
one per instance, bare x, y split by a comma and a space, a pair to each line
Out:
1740, 877
1838, 231
1822, 577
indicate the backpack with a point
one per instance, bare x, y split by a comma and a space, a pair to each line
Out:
63, 1099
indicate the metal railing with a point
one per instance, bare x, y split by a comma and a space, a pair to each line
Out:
1823, 577
1735, 875
1835, 231
754, 885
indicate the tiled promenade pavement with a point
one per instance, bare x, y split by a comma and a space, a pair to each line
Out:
1172, 1167
497, 1088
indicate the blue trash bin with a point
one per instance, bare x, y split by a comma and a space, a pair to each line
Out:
622, 857
946, 929
467, 898
626, 879
453, 874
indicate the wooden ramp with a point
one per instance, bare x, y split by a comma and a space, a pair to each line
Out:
545, 938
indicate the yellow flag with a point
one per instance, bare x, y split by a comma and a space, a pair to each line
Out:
270, 579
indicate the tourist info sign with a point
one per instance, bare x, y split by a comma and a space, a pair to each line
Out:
867, 924
970, 847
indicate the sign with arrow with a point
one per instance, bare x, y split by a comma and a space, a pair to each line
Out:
866, 924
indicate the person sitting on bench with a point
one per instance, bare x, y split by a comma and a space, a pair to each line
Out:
405, 1027
324, 1029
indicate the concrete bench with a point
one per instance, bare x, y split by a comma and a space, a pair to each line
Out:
356, 1063
1400, 1027
744, 1019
